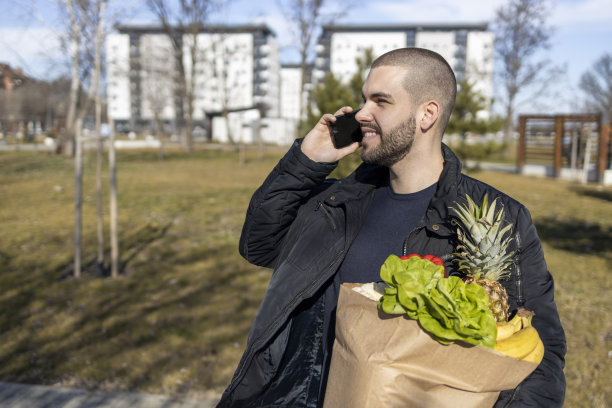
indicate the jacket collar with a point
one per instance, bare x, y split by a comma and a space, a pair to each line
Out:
369, 176
447, 183
357, 185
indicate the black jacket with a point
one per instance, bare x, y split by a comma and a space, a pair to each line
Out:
301, 225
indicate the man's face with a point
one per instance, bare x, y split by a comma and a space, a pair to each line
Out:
387, 117
394, 144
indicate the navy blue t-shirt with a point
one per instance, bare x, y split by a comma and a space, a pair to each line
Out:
389, 221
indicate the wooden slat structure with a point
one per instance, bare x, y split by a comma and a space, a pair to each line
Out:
542, 139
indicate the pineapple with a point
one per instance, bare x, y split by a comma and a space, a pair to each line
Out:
482, 251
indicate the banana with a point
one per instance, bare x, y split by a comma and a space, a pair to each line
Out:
520, 343
536, 354
525, 316
507, 329
504, 331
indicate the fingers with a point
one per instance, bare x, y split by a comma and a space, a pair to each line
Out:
345, 151
343, 110
318, 145
328, 117
325, 119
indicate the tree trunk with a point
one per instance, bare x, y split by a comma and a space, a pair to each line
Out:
78, 198
68, 136
100, 213
180, 111
113, 204
98, 109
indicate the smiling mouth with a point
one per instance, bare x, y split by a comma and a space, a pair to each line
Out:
368, 132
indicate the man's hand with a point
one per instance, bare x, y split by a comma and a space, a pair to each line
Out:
318, 145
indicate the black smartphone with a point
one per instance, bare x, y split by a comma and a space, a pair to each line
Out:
345, 130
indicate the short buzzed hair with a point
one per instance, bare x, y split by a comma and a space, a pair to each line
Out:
428, 77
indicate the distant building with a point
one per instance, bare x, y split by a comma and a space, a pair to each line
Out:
238, 70
468, 48
12, 77
291, 79
12, 106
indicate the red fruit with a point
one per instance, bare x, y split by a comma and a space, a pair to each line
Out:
410, 256
434, 259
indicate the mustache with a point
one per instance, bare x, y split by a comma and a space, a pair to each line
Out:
373, 126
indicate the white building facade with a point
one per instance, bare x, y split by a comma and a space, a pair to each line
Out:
468, 48
237, 70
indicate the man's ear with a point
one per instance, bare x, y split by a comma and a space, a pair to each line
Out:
431, 112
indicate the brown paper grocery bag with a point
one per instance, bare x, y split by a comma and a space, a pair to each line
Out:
382, 360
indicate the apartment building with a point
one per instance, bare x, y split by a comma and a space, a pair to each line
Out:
237, 71
468, 48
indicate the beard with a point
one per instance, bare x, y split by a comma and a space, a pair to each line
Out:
394, 145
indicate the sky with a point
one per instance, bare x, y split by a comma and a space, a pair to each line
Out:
582, 32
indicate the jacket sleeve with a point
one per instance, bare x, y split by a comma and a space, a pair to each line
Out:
274, 205
545, 387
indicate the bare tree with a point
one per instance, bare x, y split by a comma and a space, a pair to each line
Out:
86, 36
77, 13
92, 19
78, 197
597, 85
521, 32
76, 10
307, 18
95, 89
114, 213
188, 20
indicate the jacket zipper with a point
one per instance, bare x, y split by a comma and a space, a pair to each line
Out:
321, 206
513, 396
520, 300
275, 322
405, 246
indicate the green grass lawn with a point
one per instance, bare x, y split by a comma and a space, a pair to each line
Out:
175, 321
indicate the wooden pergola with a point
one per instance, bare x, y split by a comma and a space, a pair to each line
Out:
560, 122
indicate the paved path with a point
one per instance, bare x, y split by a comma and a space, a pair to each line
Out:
38, 396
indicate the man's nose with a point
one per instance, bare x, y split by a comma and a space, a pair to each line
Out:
363, 115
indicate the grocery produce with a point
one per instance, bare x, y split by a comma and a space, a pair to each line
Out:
447, 308
434, 259
482, 254
507, 329
519, 344
519, 339
483, 258
537, 354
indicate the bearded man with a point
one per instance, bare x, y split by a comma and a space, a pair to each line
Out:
317, 234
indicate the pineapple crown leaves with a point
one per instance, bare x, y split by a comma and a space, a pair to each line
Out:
483, 240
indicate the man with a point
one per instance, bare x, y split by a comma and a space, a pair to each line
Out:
317, 234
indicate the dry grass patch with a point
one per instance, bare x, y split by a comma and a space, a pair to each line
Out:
176, 320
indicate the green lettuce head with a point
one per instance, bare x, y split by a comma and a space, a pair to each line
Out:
407, 279
446, 308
